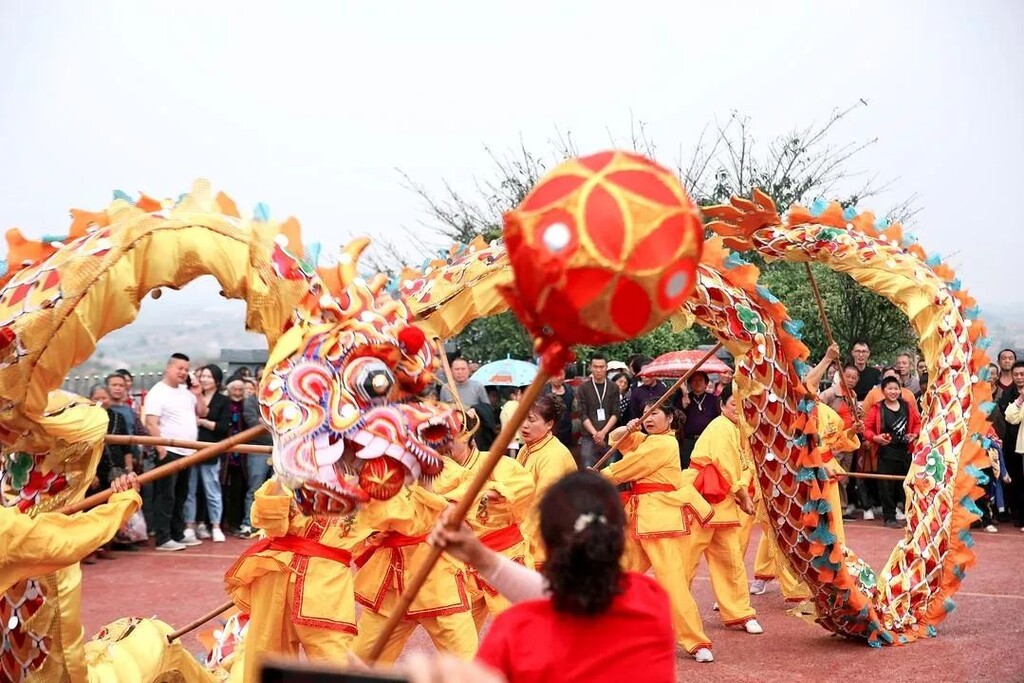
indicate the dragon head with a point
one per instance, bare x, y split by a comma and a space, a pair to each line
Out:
342, 397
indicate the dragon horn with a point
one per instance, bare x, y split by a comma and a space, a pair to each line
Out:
348, 261
377, 283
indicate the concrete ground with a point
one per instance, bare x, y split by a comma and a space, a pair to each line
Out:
983, 640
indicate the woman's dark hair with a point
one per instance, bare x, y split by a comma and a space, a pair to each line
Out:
583, 527
617, 375
215, 372
723, 397
549, 408
677, 416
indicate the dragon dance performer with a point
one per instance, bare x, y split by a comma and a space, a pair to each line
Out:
296, 584
661, 509
547, 459
390, 558
499, 510
33, 546
718, 472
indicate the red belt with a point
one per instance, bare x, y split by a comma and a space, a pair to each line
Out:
710, 483
502, 539
393, 541
630, 489
301, 546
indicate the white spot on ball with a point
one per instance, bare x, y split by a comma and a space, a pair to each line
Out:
557, 236
769, 457
12, 623
676, 284
281, 241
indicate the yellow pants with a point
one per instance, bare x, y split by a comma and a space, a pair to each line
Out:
723, 549
271, 631
454, 633
666, 556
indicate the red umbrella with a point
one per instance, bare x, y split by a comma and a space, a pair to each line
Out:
675, 364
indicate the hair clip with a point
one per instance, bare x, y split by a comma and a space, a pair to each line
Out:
586, 519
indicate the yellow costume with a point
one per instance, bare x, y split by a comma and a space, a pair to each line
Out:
548, 460
718, 451
390, 559
496, 523
33, 546
661, 509
296, 583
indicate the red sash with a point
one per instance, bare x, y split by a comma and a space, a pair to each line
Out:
638, 489
710, 483
502, 539
392, 541
300, 546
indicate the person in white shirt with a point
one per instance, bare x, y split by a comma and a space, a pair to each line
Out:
170, 411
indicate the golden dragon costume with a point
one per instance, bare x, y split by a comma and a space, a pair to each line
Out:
347, 361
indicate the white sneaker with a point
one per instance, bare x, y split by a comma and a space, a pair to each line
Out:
202, 532
753, 627
869, 515
189, 538
218, 535
851, 509
758, 587
703, 655
992, 529
900, 517
170, 545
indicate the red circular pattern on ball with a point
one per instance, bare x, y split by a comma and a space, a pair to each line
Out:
382, 478
635, 239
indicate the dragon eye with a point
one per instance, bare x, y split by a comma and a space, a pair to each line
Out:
374, 378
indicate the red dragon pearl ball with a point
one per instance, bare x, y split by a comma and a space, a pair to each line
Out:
604, 249
382, 478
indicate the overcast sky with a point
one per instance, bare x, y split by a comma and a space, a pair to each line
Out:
311, 107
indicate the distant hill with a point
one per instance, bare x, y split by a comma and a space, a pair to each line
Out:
196, 321
1005, 328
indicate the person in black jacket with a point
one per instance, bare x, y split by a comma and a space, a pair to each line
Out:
214, 425
557, 386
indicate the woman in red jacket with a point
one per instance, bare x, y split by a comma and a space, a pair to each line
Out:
583, 618
892, 425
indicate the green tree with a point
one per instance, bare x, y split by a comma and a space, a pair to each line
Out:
798, 166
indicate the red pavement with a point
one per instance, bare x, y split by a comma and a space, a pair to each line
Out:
983, 640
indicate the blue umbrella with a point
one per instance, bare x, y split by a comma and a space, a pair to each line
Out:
505, 373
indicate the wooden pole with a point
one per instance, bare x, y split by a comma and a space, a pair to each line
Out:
872, 475
657, 404
192, 626
122, 440
483, 474
170, 468
821, 305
